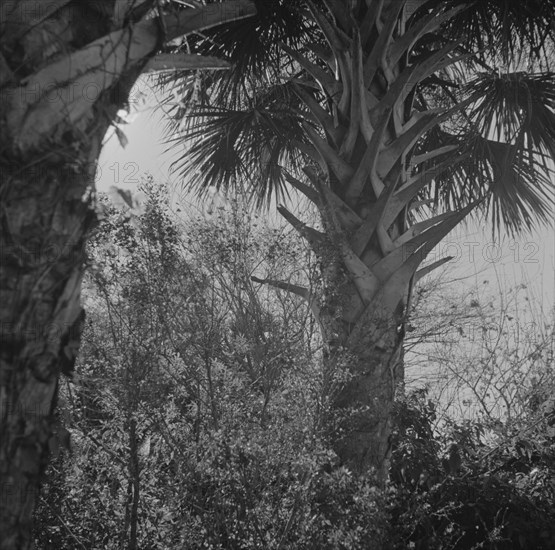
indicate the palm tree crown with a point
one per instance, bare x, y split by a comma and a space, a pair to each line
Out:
252, 121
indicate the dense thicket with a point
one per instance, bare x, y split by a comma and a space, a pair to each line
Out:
196, 418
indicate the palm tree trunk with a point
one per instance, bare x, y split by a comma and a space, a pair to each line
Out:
365, 372
65, 69
362, 371
363, 178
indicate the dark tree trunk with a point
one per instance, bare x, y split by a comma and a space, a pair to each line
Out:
45, 223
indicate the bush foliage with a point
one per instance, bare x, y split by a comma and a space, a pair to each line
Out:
195, 419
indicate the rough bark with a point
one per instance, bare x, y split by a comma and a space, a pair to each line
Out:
65, 69
45, 222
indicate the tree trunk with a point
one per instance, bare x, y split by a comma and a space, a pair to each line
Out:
45, 223
134, 477
65, 69
363, 178
365, 371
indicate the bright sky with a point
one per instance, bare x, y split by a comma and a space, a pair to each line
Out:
528, 259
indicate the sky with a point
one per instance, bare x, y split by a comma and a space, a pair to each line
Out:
528, 259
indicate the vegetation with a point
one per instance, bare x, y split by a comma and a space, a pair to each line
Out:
394, 120
196, 416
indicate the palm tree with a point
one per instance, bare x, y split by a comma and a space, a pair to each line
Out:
66, 68
396, 119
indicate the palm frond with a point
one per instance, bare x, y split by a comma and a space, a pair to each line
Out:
501, 28
516, 108
516, 183
252, 46
506, 150
227, 147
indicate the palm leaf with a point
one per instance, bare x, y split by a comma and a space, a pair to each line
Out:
252, 47
517, 184
506, 141
503, 28
516, 107
245, 147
